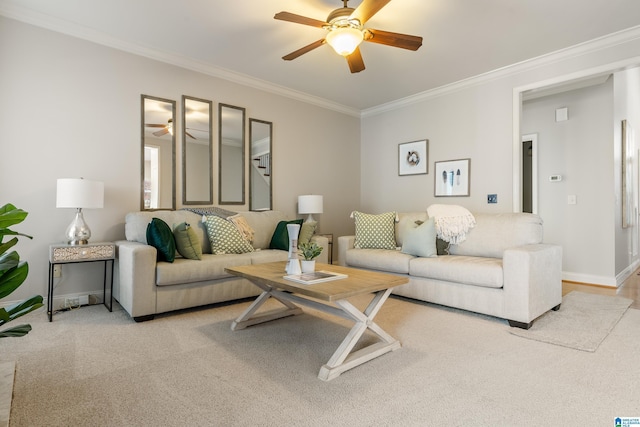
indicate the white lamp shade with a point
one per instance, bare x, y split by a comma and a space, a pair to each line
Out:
310, 204
79, 193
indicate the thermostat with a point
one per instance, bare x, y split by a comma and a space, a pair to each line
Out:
555, 178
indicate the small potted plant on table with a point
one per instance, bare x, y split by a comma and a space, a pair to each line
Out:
309, 252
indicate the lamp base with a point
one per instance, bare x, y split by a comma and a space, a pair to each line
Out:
78, 232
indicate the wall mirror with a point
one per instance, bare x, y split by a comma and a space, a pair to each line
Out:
260, 135
231, 155
197, 152
158, 154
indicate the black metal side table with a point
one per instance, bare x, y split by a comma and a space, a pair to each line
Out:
73, 254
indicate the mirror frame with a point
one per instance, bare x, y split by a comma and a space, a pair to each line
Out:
243, 154
185, 136
173, 152
252, 170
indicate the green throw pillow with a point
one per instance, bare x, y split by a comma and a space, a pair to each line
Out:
225, 237
375, 231
306, 232
280, 238
187, 241
421, 240
159, 236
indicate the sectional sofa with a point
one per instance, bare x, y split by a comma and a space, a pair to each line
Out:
502, 269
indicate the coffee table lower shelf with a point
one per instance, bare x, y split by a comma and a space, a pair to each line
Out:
344, 358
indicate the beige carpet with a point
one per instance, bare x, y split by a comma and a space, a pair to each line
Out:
91, 367
583, 321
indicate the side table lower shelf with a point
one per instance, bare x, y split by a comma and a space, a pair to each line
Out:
74, 254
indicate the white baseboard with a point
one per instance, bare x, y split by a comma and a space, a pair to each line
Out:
59, 300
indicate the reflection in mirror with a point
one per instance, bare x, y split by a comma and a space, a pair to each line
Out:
260, 134
231, 155
158, 154
197, 152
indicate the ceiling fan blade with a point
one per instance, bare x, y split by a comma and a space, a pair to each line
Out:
190, 136
356, 63
161, 132
388, 38
367, 9
303, 50
154, 125
299, 19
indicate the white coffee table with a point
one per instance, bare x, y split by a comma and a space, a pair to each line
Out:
329, 297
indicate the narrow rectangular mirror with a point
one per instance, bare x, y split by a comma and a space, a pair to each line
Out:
260, 190
231, 155
197, 152
158, 158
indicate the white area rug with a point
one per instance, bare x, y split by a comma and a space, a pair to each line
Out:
583, 321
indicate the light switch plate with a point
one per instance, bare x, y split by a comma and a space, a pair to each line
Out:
492, 198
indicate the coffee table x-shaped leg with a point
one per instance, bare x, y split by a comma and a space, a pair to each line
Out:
344, 358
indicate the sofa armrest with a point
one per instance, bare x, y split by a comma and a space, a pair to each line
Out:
135, 278
532, 280
344, 243
324, 242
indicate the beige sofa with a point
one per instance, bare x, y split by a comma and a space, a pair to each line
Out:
145, 287
502, 269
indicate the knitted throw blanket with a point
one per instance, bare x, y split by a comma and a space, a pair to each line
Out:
452, 222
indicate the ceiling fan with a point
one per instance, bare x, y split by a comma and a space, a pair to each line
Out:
346, 32
168, 128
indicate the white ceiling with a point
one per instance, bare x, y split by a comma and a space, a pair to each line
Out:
240, 39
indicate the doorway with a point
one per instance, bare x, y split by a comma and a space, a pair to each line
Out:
529, 164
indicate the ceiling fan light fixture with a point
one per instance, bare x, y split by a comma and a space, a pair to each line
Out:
344, 40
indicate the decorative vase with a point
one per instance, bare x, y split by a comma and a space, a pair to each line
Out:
308, 266
293, 263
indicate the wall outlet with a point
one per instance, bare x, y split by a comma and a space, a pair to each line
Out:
57, 271
73, 302
492, 198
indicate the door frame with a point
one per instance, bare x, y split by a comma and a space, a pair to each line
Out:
533, 137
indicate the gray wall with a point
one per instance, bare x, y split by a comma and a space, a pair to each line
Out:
71, 108
581, 150
480, 119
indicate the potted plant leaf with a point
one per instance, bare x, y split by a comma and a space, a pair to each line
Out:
13, 273
309, 252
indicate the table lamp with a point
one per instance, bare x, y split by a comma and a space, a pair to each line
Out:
78, 193
310, 204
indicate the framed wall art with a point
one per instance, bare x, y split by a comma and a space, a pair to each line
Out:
452, 178
413, 157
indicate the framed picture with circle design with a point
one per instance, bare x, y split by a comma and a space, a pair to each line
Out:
413, 157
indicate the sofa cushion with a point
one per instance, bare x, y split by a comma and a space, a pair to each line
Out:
187, 242
263, 224
494, 233
211, 267
280, 238
478, 271
375, 231
159, 236
225, 237
421, 240
392, 261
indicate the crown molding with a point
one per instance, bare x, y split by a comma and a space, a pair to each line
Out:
76, 30
591, 46
79, 31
